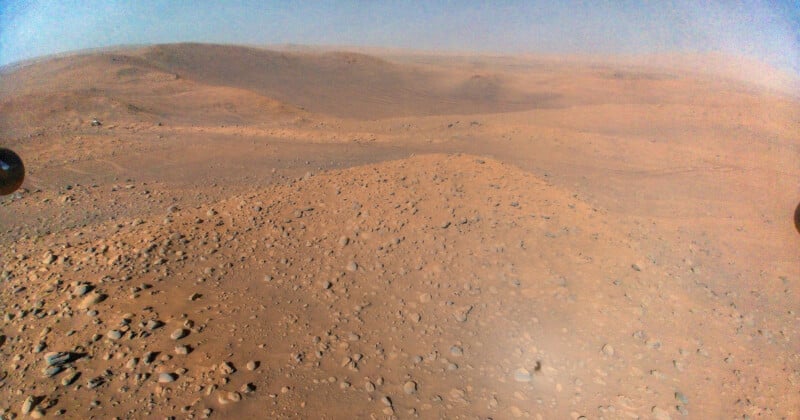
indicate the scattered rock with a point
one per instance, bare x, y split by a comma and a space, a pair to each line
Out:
458, 396
51, 371
131, 363
369, 386
83, 289
70, 379
166, 377
58, 358
410, 387
95, 382
660, 414
226, 368
91, 299
682, 398
179, 333
461, 315
225, 397
522, 375
653, 343
28, 405
608, 350
48, 259
154, 324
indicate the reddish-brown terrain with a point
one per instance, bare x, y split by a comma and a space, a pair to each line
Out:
284, 234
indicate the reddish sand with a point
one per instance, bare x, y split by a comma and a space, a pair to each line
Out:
396, 236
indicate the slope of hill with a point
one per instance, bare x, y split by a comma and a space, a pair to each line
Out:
435, 286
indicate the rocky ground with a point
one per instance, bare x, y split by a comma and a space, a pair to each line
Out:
436, 286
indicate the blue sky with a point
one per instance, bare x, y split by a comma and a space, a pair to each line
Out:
766, 30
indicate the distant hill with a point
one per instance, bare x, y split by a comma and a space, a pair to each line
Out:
233, 84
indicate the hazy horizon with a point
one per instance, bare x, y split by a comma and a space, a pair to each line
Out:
765, 31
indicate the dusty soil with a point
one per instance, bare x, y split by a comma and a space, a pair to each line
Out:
340, 235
